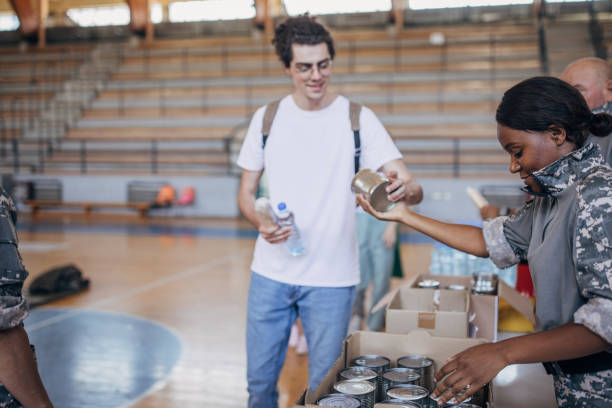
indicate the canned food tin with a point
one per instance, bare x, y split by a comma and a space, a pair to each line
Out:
396, 403
462, 405
484, 283
364, 391
358, 373
399, 375
378, 364
338, 400
456, 287
422, 365
429, 284
374, 186
408, 392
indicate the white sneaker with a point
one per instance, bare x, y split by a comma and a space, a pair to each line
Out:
302, 347
354, 324
294, 336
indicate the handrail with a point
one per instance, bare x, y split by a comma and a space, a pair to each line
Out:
596, 33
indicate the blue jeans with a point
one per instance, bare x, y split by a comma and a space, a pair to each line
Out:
271, 311
376, 265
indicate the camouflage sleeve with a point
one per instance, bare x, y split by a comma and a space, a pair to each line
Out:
507, 238
13, 307
593, 252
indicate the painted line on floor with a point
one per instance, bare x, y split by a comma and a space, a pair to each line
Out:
192, 271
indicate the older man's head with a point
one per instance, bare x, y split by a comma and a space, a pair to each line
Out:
593, 78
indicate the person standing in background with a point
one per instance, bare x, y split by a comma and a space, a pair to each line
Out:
377, 245
309, 162
593, 78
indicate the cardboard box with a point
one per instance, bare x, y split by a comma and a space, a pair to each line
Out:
483, 309
392, 346
440, 312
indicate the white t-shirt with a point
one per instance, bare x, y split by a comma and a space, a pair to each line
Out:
309, 162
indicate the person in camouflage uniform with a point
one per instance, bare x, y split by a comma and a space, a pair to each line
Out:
564, 232
20, 383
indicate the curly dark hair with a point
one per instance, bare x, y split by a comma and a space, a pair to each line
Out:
300, 30
537, 103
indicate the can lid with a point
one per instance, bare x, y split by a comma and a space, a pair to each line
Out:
429, 283
414, 361
396, 403
401, 374
338, 400
354, 387
371, 360
408, 392
456, 287
357, 373
452, 403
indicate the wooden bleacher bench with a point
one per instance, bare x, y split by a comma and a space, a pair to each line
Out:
36, 205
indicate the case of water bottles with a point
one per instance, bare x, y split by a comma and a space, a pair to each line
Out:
448, 261
393, 347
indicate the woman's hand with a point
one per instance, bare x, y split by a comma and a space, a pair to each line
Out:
394, 214
467, 372
274, 234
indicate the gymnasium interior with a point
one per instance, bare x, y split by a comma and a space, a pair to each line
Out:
104, 102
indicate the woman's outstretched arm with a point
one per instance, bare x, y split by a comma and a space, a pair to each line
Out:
466, 238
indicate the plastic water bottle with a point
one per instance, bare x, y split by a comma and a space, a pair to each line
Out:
286, 219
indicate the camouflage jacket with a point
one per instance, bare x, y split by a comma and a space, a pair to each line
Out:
566, 236
13, 307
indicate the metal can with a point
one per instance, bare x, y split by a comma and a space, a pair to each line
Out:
399, 375
374, 186
363, 391
358, 373
409, 392
422, 365
429, 284
338, 400
462, 405
484, 283
456, 287
376, 363
396, 403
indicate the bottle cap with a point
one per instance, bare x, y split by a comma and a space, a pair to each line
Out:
282, 206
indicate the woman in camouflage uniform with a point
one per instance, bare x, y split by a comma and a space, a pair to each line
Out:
20, 383
565, 233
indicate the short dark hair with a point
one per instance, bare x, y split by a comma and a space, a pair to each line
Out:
300, 30
537, 103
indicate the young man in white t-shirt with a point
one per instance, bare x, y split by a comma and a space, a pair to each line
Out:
309, 163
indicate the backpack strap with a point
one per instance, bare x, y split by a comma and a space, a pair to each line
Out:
268, 118
354, 112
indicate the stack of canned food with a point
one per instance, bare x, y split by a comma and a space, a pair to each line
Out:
370, 382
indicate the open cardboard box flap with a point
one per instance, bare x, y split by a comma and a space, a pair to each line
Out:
483, 308
392, 346
519, 302
442, 312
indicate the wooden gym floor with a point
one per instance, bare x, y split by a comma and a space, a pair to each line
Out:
163, 322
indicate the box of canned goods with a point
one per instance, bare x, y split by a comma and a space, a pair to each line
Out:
418, 354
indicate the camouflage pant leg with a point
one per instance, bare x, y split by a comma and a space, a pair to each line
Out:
590, 390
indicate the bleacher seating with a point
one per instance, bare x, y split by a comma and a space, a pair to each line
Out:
180, 105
